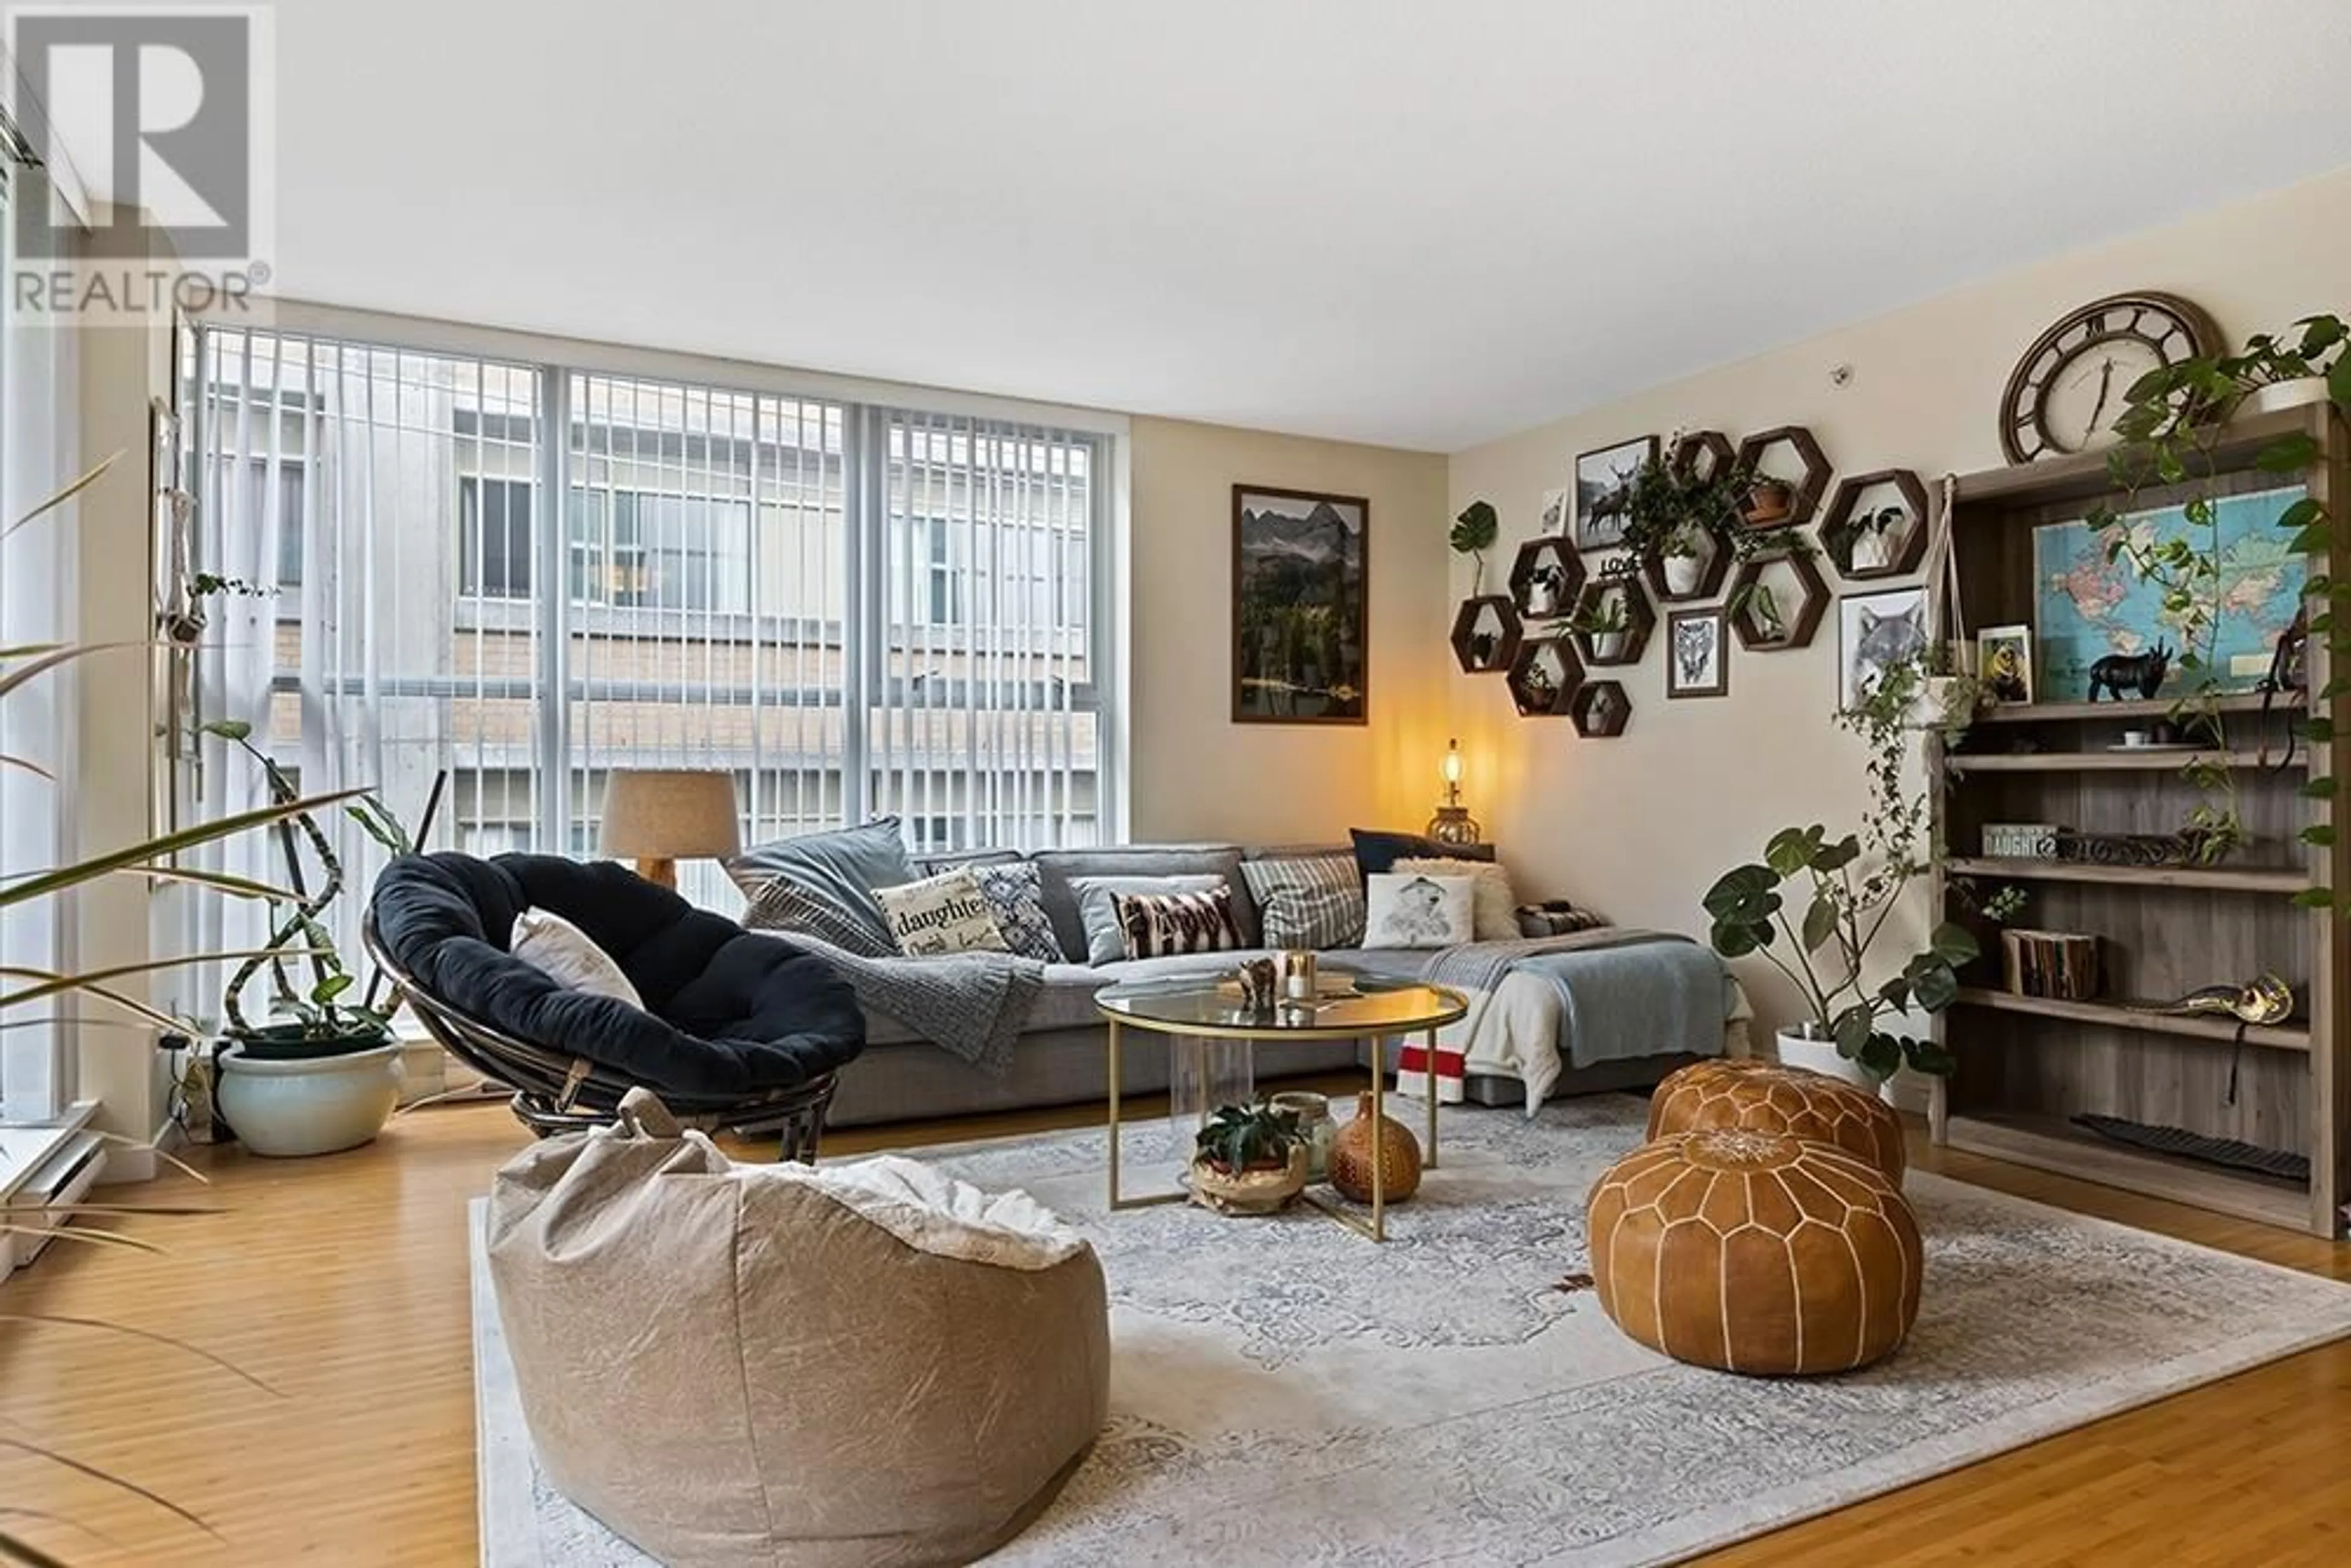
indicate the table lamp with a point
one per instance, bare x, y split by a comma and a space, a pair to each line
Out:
659, 816
1453, 824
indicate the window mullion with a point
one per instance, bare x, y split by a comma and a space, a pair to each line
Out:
863, 453
550, 528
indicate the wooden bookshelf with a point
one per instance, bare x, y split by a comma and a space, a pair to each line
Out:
2028, 1065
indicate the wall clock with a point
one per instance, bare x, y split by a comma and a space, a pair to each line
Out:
2065, 393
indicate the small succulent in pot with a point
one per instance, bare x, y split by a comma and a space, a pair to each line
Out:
1249, 1159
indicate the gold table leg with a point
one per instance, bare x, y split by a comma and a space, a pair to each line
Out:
1113, 1112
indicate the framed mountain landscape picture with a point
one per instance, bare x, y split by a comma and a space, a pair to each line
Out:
1301, 606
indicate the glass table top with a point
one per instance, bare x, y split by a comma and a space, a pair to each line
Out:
1198, 1005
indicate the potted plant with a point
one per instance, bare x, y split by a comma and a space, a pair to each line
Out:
1602, 621
1675, 514
1543, 588
1768, 502
1815, 909
324, 1073
1249, 1159
1474, 532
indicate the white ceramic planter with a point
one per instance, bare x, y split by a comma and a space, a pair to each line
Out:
1683, 573
314, 1105
1872, 550
1799, 1048
2298, 393
1608, 645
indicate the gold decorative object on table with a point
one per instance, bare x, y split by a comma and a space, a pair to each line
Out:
1356, 1149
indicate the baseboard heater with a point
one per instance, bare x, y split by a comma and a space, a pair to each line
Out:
2191, 1145
63, 1179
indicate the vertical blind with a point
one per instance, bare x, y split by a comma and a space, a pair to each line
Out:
530, 575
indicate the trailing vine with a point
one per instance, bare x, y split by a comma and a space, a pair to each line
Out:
2172, 425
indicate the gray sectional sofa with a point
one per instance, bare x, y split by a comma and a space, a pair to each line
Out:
1062, 1056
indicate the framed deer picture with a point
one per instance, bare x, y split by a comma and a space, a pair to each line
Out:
1603, 482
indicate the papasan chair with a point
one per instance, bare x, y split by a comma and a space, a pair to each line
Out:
740, 1031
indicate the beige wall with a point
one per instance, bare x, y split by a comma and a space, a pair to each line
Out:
1641, 825
1195, 773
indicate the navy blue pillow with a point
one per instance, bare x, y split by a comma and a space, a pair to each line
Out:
1376, 852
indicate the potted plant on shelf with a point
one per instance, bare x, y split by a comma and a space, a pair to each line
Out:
1545, 585
1249, 1159
1871, 539
1768, 502
1474, 532
1849, 889
325, 1073
1603, 620
1677, 514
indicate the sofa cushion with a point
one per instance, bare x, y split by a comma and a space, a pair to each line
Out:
1098, 896
1156, 922
1057, 867
940, 915
1377, 851
1015, 891
783, 905
1313, 901
845, 866
1493, 904
1419, 911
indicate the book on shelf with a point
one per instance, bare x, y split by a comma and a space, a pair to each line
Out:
2059, 965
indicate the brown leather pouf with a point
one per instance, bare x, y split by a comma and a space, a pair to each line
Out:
1755, 1252
1765, 1097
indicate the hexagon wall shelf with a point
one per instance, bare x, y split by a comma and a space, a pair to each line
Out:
1709, 444
1554, 551
1796, 626
1492, 616
1640, 621
1549, 694
1713, 572
1758, 451
1906, 547
1600, 710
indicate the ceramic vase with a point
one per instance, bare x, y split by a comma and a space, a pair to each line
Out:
308, 1105
1365, 1139
1683, 573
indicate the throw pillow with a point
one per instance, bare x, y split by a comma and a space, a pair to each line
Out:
1556, 918
1419, 910
1015, 890
1158, 924
1377, 851
569, 956
1315, 900
943, 913
782, 904
842, 866
1106, 938
1493, 906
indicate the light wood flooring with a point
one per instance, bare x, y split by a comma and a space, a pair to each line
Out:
341, 1283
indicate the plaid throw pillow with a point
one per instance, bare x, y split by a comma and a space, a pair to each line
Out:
1313, 901
1158, 924
1015, 890
782, 904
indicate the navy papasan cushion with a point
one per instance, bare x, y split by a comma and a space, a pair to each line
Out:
728, 1012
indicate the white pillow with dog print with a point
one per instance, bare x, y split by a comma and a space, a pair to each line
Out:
1415, 911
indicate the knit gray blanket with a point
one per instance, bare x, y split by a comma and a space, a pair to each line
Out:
1480, 966
971, 1005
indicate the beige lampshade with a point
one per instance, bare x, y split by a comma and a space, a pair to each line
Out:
671, 814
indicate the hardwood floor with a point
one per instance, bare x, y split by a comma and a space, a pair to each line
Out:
340, 1285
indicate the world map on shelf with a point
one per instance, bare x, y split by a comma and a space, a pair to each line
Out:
2087, 607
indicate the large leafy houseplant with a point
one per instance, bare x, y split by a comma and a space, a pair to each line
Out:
1473, 534
2173, 422
23, 985
1815, 908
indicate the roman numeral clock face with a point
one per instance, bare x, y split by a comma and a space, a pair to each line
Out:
2066, 392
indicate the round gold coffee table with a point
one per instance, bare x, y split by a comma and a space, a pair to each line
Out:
1195, 1008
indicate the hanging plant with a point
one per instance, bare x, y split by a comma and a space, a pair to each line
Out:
2172, 424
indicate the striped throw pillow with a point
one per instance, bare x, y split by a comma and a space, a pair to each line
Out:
1312, 902
1156, 925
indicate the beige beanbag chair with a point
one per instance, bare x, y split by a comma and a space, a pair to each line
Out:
738, 1364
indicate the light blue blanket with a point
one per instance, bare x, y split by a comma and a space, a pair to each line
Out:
1650, 995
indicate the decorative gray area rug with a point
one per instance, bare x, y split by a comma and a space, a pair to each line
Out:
1284, 1392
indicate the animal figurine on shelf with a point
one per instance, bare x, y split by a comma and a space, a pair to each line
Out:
2120, 674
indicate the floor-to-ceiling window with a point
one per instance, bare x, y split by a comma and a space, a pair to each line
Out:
852, 609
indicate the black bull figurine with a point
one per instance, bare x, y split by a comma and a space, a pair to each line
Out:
2118, 674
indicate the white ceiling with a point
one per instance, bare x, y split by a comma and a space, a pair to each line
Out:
1423, 223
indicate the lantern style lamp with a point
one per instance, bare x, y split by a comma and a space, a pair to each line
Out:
1453, 824
658, 816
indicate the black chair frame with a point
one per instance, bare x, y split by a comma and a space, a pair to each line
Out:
556, 1092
